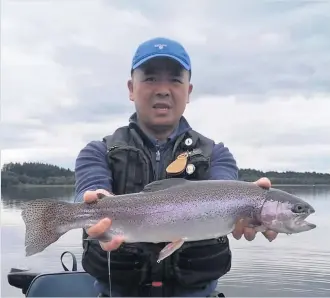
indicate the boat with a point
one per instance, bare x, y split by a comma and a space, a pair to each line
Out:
66, 283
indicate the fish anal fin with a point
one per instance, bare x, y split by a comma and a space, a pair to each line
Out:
164, 184
169, 249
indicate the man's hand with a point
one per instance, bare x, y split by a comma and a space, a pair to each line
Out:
104, 224
250, 233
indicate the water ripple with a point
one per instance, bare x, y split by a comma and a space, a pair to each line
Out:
276, 271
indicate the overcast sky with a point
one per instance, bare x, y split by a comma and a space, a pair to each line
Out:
260, 74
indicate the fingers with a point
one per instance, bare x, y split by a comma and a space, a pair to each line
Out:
263, 182
103, 225
241, 229
250, 233
99, 228
113, 244
91, 195
270, 235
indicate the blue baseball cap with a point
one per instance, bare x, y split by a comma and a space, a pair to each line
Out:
161, 47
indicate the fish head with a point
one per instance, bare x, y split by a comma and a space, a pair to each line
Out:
283, 212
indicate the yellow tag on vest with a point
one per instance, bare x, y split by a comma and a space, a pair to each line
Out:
178, 165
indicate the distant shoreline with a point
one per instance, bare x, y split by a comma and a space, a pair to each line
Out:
32, 174
41, 185
72, 185
315, 185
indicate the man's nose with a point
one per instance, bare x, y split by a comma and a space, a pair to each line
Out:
162, 89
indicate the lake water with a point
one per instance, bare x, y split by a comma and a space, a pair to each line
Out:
296, 265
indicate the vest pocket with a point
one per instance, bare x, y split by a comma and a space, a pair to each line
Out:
131, 169
127, 264
200, 263
128, 268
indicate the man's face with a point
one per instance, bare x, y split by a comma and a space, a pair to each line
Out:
160, 90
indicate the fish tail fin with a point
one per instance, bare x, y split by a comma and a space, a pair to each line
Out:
45, 222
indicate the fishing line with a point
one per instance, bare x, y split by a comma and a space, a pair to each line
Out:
108, 253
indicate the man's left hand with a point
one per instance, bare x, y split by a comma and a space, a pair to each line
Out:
250, 233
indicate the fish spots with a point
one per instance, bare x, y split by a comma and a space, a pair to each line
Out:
43, 220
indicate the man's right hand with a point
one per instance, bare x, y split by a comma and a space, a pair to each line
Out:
104, 224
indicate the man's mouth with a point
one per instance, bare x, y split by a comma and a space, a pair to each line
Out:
161, 106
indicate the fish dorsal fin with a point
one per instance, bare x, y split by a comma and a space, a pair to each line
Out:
164, 184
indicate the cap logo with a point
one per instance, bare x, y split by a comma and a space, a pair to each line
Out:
160, 46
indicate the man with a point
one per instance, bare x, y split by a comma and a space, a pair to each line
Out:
158, 143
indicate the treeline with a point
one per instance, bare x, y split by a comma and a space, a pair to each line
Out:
288, 177
35, 173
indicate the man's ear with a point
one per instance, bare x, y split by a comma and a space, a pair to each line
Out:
130, 89
189, 92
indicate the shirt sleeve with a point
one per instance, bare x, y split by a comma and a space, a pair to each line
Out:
91, 170
223, 164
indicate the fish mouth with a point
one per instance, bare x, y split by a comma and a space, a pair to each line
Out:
300, 222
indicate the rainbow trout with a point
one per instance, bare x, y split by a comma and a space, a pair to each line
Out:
172, 210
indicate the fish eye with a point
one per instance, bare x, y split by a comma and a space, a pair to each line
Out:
299, 208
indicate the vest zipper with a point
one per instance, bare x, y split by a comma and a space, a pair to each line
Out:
157, 161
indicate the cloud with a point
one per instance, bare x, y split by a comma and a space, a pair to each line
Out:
278, 133
261, 69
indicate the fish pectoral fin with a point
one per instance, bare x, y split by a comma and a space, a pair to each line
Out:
169, 249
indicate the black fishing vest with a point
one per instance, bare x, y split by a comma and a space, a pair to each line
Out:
133, 165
